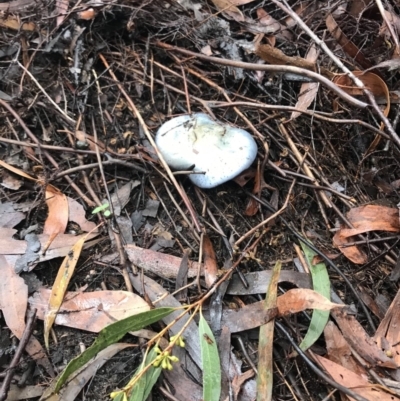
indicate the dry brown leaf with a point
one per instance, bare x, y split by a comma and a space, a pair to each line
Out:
354, 382
24, 393
253, 206
61, 10
57, 204
300, 299
228, 8
278, 29
378, 88
168, 266
89, 139
255, 315
339, 350
210, 262
301, 9
90, 311
276, 57
58, 248
13, 304
77, 215
244, 177
16, 25
387, 335
13, 298
10, 215
57, 218
9, 245
308, 90
10, 181
370, 303
159, 263
371, 81
87, 15
347, 45
360, 341
364, 219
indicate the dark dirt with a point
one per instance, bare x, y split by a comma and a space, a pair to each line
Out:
66, 63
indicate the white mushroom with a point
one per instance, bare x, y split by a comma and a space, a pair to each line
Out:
216, 149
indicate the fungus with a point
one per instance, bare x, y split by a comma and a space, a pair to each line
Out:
217, 151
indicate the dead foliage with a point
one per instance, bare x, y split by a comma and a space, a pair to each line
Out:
95, 228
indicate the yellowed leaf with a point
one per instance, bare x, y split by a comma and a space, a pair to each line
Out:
17, 171
60, 286
15, 24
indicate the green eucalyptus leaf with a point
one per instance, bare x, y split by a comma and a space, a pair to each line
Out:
110, 335
144, 385
210, 361
321, 284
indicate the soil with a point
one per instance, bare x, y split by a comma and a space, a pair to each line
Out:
55, 76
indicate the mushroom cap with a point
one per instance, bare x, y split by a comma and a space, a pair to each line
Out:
218, 150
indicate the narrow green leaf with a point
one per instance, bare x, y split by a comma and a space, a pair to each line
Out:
144, 385
99, 209
210, 361
266, 341
321, 284
110, 335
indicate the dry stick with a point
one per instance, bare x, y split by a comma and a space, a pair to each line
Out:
305, 166
223, 92
170, 217
18, 353
388, 25
108, 162
395, 138
49, 147
272, 68
68, 118
52, 161
263, 223
316, 370
184, 217
209, 104
152, 142
82, 164
123, 260
372, 246
314, 114
328, 261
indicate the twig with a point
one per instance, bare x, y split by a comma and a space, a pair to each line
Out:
286, 8
136, 113
263, 223
272, 68
316, 370
52, 161
314, 114
18, 353
305, 166
56, 106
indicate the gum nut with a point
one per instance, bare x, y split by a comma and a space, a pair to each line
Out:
216, 149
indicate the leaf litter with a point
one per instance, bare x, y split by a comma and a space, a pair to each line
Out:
73, 144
